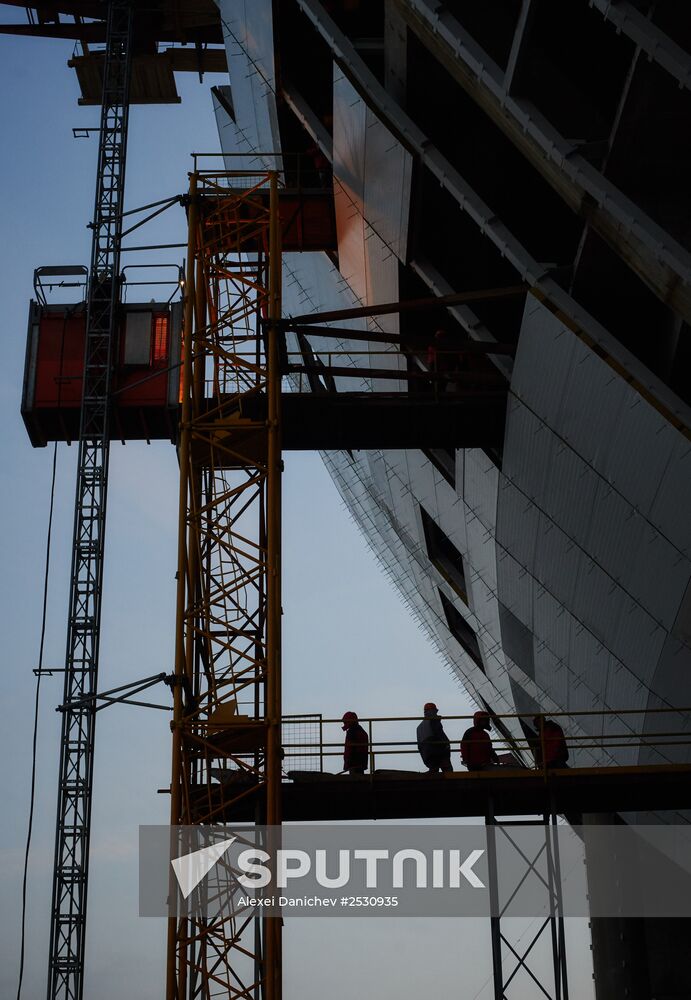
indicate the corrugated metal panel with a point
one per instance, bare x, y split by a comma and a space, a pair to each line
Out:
642, 445
590, 511
605, 421
552, 625
652, 571
248, 37
558, 562
372, 168
598, 604
388, 171
671, 681
483, 602
480, 483
543, 360
349, 129
570, 490
528, 449
587, 665
638, 643
591, 407
518, 524
550, 673
670, 508
514, 586
372, 197
517, 641
420, 474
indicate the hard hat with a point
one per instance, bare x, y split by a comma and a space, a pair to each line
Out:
348, 718
430, 707
537, 720
481, 719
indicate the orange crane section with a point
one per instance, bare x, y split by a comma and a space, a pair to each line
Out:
227, 695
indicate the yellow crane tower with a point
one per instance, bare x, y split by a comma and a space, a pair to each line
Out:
227, 696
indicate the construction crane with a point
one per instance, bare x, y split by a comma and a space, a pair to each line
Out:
227, 696
105, 76
71, 868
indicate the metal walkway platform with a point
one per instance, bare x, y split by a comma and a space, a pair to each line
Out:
312, 796
333, 421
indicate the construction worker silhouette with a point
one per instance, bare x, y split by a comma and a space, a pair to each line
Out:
356, 747
477, 752
432, 741
551, 742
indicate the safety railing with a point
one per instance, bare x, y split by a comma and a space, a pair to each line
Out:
231, 378
348, 365
592, 738
296, 171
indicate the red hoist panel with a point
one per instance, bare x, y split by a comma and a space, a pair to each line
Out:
146, 382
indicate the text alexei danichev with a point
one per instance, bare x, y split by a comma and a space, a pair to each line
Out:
315, 901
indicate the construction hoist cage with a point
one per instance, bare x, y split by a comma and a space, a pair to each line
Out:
227, 712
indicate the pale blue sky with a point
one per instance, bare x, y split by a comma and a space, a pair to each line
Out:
349, 642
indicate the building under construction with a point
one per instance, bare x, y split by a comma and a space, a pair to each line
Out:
446, 245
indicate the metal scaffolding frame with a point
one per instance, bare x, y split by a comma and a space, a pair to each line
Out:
70, 877
227, 695
557, 988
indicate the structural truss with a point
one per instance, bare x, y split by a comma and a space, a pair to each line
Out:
70, 877
226, 729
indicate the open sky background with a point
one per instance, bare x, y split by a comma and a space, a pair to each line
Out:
349, 643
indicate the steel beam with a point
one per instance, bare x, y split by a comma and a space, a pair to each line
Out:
651, 253
407, 305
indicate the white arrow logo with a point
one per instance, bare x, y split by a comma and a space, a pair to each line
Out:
190, 869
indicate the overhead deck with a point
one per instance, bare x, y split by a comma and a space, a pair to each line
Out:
369, 420
320, 422
412, 795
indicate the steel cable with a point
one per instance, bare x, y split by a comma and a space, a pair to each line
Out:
39, 671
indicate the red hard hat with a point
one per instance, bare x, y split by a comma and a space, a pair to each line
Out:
430, 707
481, 719
348, 719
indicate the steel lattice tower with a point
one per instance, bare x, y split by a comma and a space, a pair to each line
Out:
70, 877
227, 692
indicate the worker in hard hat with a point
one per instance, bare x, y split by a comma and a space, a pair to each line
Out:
356, 747
432, 741
550, 747
477, 752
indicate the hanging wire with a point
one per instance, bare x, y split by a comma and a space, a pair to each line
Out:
39, 673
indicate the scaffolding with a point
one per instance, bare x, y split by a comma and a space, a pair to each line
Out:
227, 692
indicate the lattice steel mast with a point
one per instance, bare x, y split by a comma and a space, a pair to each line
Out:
227, 712
70, 877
